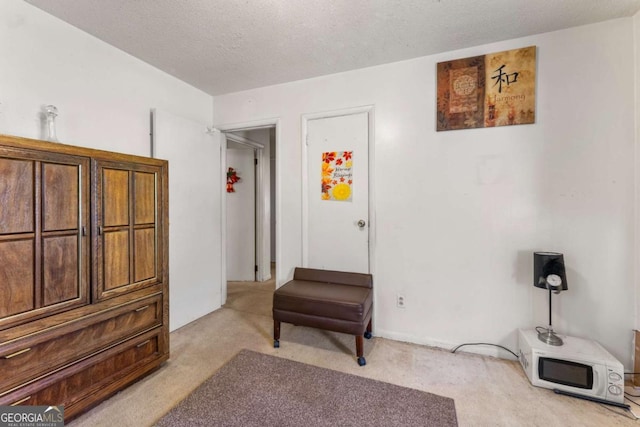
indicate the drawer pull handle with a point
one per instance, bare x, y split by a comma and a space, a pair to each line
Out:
142, 344
138, 310
17, 353
20, 401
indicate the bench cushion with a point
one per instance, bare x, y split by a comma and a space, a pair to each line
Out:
336, 301
331, 276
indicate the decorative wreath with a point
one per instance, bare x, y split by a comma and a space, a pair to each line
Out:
232, 178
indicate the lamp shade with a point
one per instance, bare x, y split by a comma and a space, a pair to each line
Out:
545, 264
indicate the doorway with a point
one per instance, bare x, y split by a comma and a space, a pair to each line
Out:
249, 210
337, 165
241, 196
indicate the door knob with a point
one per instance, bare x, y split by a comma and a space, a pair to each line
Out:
361, 223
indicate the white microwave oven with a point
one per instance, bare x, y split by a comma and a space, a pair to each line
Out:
579, 366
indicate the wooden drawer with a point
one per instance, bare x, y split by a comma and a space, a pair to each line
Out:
22, 360
80, 385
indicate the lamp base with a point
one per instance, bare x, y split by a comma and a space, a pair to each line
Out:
547, 336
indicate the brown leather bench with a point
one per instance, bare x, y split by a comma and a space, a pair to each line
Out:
332, 300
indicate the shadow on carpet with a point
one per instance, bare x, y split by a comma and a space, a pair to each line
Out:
255, 389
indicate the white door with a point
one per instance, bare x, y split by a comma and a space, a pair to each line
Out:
337, 193
241, 219
194, 215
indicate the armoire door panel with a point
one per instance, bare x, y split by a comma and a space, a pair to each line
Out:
17, 279
60, 196
16, 196
145, 254
43, 208
145, 198
128, 199
115, 193
60, 269
116, 259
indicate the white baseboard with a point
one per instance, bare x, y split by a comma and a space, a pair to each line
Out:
485, 350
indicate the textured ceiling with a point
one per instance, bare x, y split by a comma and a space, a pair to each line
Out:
222, 46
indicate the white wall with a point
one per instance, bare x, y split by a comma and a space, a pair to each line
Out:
241, 215
636, 33
265, 199
460, 213
272, 190
104, 97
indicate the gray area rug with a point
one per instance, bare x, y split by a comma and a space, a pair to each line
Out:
255, 389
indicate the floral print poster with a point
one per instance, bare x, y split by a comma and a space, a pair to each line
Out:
337, 175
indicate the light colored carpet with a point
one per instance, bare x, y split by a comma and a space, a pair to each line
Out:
255, 389
487, 391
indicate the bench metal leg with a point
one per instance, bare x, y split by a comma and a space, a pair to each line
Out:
276, 333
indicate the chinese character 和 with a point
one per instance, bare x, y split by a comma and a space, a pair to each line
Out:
503, 77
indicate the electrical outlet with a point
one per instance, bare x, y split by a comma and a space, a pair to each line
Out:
400, 301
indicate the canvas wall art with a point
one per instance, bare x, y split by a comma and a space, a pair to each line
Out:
497, 89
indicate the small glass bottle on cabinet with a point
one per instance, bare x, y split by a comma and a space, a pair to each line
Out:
51, 113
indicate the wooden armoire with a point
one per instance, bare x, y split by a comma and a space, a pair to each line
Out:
84, 278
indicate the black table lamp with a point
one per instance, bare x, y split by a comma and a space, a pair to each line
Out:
549, 273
